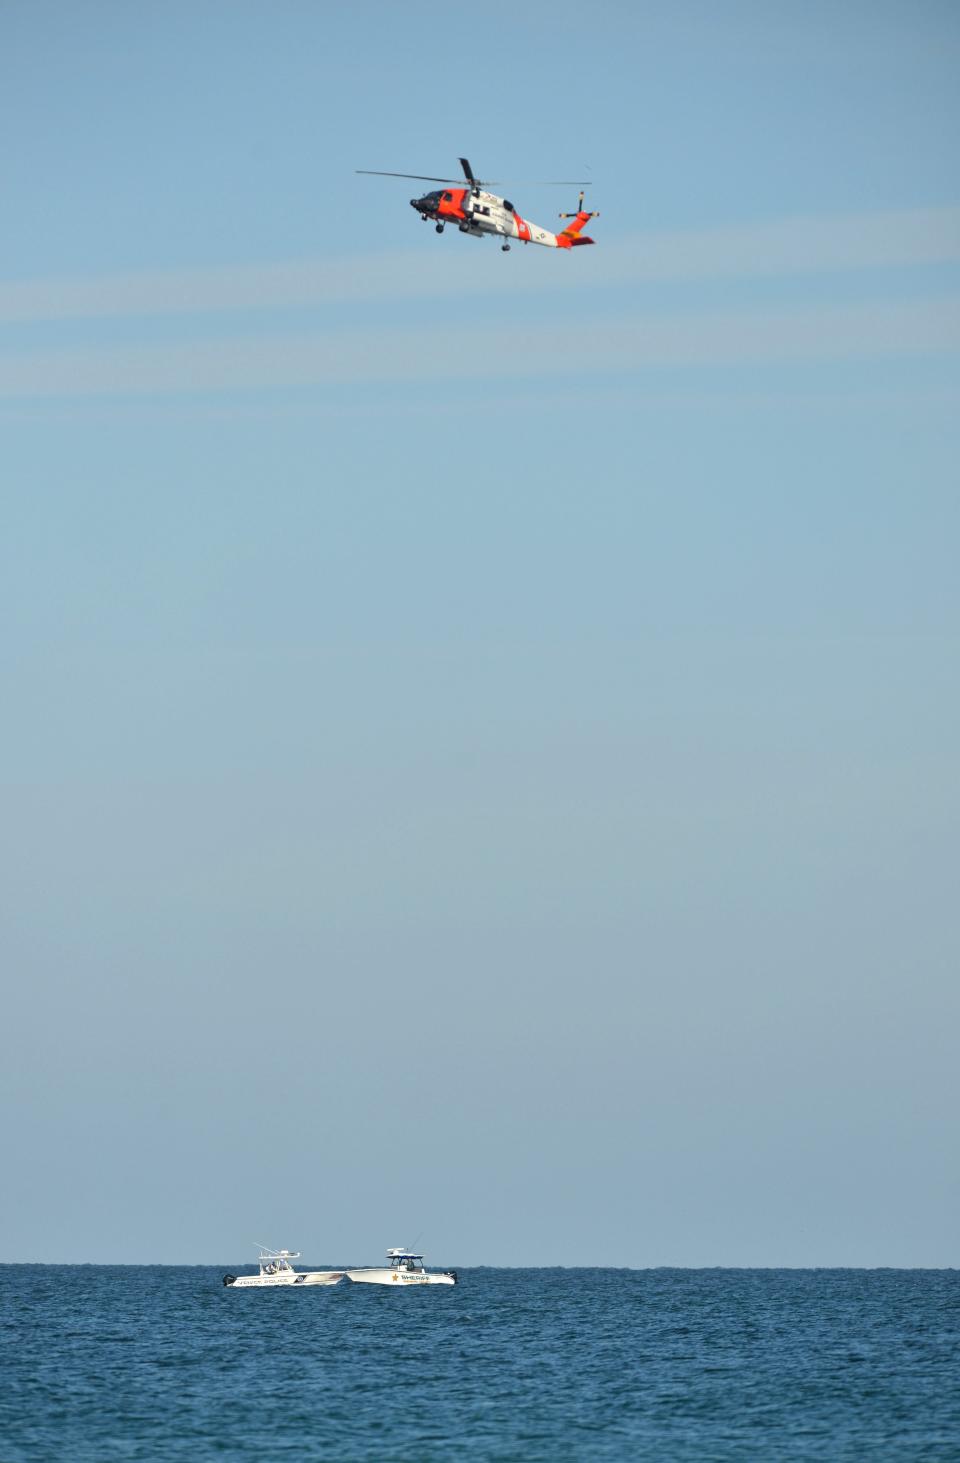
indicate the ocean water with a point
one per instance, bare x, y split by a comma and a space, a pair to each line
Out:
161, 1362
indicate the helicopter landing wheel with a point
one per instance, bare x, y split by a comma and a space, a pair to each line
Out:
439, 228
423, 218
505, 248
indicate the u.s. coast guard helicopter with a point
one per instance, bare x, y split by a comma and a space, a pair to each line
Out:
477, 212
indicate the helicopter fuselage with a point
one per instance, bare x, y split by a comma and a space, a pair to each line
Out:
478, 213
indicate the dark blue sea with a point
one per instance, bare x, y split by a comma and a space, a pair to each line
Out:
161, 1362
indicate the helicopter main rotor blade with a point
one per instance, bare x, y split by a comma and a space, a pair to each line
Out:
483, 182
476, 182
531, 182
542, 182
420, 177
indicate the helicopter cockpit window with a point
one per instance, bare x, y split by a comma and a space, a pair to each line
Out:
448, 197
508, 206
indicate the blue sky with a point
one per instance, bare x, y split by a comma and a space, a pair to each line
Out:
481, 731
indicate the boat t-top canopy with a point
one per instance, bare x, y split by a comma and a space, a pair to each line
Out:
273, 1260
403, 1254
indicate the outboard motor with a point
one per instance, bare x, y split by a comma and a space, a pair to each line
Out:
229, 1279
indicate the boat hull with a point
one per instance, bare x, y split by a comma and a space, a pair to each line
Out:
306, 1277
376, 1275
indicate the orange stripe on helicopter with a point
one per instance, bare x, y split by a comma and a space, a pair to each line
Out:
451, 203
570, 235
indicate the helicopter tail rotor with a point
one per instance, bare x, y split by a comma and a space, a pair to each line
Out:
580, 213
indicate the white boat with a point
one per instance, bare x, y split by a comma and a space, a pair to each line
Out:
404, 1267
275, 1269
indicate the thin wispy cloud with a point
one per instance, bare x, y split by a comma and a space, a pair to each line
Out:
395, 355
782, 248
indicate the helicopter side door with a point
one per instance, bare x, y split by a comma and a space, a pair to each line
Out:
509, 221
479, 210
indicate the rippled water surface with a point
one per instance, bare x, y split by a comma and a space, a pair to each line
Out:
161, 1363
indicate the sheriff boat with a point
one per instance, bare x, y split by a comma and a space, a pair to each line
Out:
404, 1267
